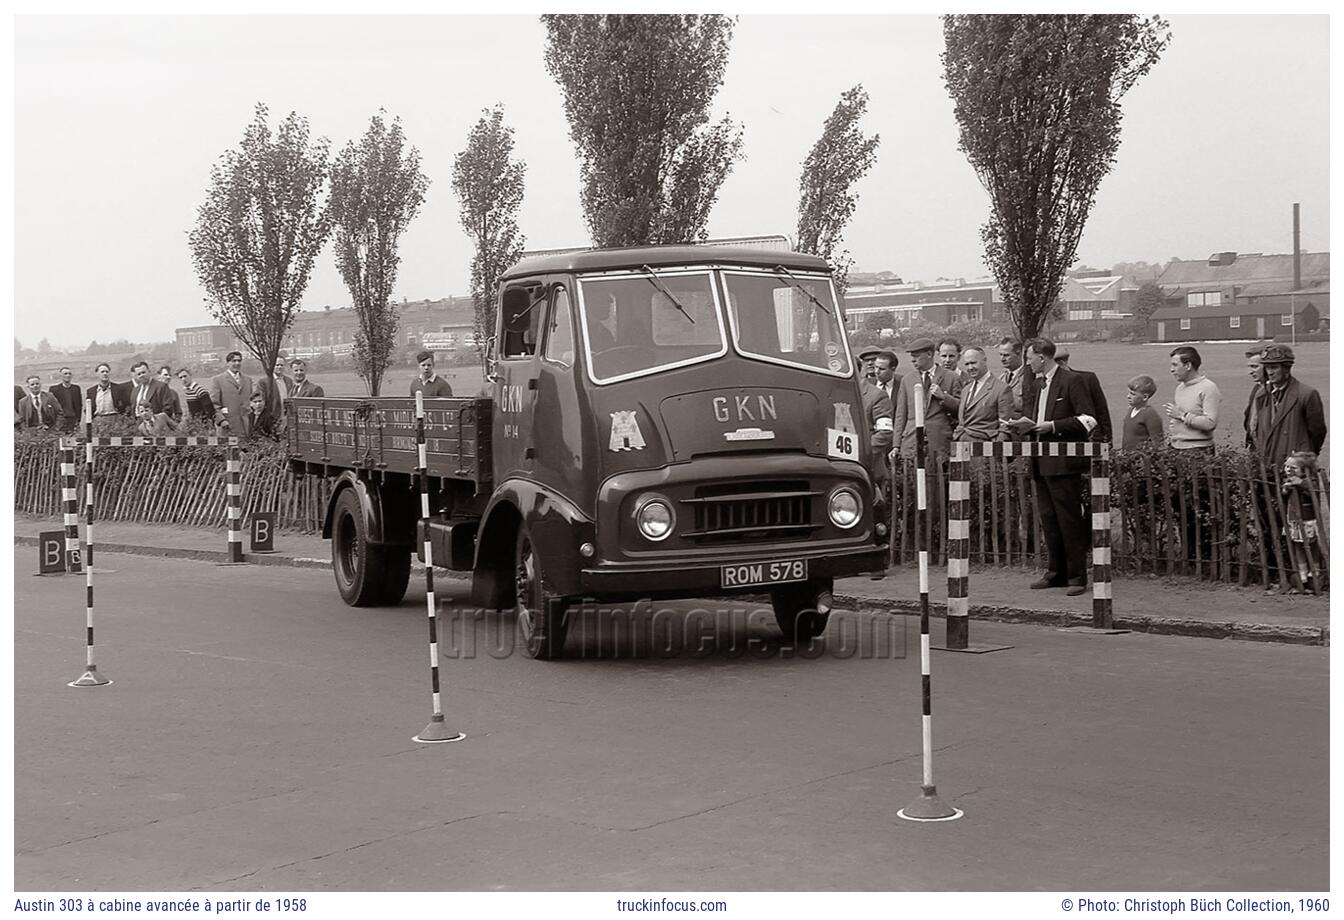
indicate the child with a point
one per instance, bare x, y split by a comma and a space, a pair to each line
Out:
1143, 423
1299, 470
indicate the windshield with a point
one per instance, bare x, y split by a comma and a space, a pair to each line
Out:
787, 319
641, 322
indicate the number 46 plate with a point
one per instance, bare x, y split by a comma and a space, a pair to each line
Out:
843, 444
763, 573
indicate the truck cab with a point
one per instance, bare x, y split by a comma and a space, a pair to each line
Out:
673, 422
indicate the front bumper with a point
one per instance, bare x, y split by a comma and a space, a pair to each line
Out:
674, 578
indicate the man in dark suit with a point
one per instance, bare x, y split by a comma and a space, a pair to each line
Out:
38, 409
70, 398
1095, 393
156, 406
302, 385
1059, 409
109, 399
942, 398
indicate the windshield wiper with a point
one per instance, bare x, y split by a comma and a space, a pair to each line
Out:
806, 293
521, 313
653, 279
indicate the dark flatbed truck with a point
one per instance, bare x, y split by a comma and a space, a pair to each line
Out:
666, 422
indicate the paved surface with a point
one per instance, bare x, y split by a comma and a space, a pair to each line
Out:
257, 736
1168, 606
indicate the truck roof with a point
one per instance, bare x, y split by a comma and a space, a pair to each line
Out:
597, 260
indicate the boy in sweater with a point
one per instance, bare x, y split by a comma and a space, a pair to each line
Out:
1193, 410
1143, 423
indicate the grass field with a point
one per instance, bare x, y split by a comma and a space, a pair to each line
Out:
1113, 363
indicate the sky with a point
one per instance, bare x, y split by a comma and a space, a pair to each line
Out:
118, 120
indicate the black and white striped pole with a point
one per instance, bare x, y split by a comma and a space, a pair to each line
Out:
928, 807
436, 732
233, 501
70, 505
90, 677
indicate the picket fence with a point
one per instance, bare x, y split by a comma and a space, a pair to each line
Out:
1217, 518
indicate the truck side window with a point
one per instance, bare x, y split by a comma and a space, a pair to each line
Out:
560, 329
522, 308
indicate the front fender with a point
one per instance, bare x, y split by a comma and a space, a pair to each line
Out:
557, 525
385, 514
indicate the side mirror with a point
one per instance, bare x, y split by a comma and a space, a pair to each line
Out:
490, 361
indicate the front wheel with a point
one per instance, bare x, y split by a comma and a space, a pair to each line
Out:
543, 616
796, 610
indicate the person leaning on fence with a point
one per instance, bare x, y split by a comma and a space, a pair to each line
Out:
156, 408
109, 399
1299, 471
428, 382
1061, 411
38, 409
1193, 410
259, 421
302, 385
1289, 414
986, 402
1142, 423
70, 398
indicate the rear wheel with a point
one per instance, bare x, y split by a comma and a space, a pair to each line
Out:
366, 575
543, 616
796, 609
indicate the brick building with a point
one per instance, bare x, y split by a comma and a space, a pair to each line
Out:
1233, 296
445, 325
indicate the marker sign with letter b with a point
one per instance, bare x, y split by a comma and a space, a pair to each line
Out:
51, 552
262, 528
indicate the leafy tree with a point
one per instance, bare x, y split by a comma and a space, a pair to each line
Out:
44, 347
839, 158
489, 188
259, 231
376, 190
637, 94
1037, 100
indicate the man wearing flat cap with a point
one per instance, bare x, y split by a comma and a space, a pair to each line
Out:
1289, 415
942, 397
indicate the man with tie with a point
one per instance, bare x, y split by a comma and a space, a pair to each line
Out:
156, 407
38, 409
302, 385
231, 394
884, 370
70, 398
1061, 410
1014, 371
985, 401
942, 398
284, 387
109, 399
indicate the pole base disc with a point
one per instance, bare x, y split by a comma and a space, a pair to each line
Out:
437, 733
928, 807
230, 563
972, 648
90, 678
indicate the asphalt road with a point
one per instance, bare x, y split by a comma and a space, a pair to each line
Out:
257, 736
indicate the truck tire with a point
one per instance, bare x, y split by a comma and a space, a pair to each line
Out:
796, 611
543, 616
366, 575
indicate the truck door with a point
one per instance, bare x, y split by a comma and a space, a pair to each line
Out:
559, 420
521, 310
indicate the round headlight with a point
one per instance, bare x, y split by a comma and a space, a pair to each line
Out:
654, 519
844, 508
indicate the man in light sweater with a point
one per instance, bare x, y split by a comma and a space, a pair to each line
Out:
1193, 411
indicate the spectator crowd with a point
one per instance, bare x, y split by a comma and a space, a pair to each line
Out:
231, 401
1036, 395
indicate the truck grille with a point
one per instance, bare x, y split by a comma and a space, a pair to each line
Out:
751, 512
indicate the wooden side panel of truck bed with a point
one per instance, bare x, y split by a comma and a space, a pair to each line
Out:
368, 433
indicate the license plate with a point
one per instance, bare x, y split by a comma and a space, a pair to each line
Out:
763, 573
